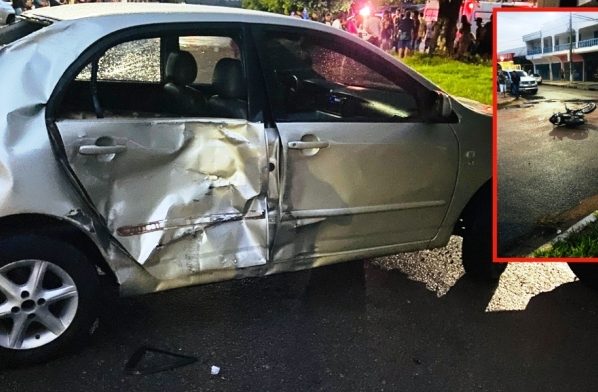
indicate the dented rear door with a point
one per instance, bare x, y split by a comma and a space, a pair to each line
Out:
181, 195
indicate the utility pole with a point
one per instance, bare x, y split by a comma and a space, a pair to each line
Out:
570, 47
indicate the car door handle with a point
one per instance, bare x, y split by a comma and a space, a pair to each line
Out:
298, 145
101, 150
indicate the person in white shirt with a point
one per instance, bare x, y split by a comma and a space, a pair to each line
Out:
336, 23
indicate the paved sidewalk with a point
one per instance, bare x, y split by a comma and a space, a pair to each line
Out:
566, 84
507, 100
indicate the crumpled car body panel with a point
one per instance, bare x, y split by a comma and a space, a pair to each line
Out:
178, 181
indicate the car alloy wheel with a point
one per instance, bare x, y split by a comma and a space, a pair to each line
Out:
48, 299
40, 303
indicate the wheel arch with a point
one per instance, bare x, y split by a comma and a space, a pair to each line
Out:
60, 229
483, 194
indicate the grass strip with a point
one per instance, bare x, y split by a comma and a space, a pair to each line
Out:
468, 80
583, 243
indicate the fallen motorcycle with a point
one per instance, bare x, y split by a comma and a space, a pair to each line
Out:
572, 117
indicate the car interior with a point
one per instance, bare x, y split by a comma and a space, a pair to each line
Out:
187, 76
317, 83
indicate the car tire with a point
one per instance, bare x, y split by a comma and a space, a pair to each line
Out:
587, 273
477, 240
48, 290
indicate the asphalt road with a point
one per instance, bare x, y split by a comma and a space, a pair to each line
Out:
544, 172
352, 327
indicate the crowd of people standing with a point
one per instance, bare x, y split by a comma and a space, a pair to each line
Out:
399, 31
405, 31
23, 5
468, 43
402, 31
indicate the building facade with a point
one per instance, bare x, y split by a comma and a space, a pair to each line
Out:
567, 3
551, 48
517, 56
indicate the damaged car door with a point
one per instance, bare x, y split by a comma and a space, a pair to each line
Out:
369, 164
155, 130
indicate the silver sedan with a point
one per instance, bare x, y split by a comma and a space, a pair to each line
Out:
166, 145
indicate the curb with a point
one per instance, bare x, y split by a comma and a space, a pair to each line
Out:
575, 228
504, 104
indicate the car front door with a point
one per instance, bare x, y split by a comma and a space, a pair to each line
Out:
166, 153
366, 168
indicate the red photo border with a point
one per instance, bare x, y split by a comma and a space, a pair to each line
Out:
495, 255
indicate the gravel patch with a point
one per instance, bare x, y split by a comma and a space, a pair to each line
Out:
522, 281
440, 269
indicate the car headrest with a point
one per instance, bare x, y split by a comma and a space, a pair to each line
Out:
228, 79
181, 68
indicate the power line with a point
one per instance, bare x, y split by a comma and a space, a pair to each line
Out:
584, 17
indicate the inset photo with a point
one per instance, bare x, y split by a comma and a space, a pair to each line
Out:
546, 135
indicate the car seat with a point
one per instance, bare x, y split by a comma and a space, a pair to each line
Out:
180, 97
230, 100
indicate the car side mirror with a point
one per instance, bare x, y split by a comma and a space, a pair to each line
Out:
443, 107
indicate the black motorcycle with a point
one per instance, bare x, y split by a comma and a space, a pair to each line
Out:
572, 117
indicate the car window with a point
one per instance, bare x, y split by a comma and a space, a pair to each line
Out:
207, 51
318, 79
344, 70
173, 75
134, 61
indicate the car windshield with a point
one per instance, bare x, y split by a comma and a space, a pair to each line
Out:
20, 29
521, 73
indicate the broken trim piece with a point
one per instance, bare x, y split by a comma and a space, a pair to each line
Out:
172, 224
132, 366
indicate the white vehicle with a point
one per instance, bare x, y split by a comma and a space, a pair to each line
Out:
7, 13
483, 9
527, 84
472, 9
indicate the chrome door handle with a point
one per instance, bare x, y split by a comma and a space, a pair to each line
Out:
297, 145
101, 150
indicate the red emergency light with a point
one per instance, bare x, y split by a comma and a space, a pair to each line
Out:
365, 11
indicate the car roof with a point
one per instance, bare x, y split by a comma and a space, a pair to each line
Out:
151, 13
98, 10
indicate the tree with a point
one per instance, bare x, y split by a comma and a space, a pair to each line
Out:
279, 6
285, 6
446, 27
